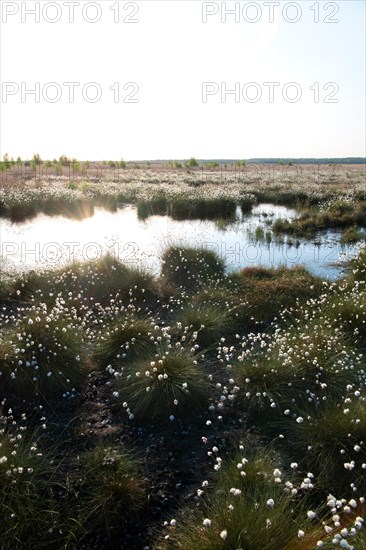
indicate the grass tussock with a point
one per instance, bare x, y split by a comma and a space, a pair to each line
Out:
28, 509
5, 287
351, 235
111, 490
300, 366
155, 205
339, 214
346, 309
357, 271
190, 268
332, 441
95, 280
267, 292
125, 339
42, 355
245, 509
207, 323
182, 208
186, 206
167, 385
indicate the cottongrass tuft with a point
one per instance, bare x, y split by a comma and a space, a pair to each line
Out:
173, 383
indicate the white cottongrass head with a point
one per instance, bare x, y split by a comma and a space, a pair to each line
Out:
207, 522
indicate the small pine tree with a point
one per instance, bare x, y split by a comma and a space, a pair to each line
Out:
37, 159
192, 162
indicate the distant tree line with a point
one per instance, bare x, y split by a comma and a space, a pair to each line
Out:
341, 160
9, 162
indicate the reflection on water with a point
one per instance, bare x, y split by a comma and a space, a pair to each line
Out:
77, 210
55, 241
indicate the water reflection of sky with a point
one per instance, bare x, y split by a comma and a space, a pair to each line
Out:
53, 241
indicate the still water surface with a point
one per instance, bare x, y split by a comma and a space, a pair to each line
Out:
46, 241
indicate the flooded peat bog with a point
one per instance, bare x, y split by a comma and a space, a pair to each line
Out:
245, 240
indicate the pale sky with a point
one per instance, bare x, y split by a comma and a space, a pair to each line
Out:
180, 67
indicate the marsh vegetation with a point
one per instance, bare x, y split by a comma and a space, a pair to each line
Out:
198, 408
